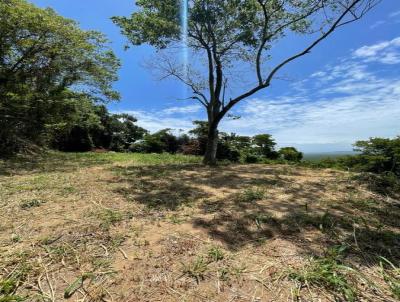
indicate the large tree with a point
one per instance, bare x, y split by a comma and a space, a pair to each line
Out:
226, 33
47, 63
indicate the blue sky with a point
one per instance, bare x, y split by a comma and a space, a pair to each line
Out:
347, 89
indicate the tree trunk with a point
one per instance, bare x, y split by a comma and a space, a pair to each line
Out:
210, 158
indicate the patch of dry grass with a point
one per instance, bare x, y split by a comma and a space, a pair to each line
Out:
128, 228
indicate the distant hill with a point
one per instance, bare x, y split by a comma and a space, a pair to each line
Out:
322, 155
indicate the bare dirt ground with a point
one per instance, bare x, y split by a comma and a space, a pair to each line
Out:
124, 231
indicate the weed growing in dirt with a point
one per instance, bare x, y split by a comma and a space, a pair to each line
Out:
33, 203
15, 238
330, 273
251, 194
77, 284
175, 219
216, 254
109, 217
8, 288
196, 269
391, 275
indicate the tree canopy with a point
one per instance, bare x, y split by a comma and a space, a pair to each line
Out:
48, 65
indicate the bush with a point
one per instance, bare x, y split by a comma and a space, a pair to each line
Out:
386, 183
378, 155
226, 152
192, 147
250, 158
291, 154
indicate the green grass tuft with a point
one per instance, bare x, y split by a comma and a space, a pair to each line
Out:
251, 194
216, 254
391, 275
330, 273
196, 269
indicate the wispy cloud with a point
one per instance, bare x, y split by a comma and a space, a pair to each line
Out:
387, 52
175, 118
158, 120
316, 119
343, 102
182, 110
394, 14
377, 24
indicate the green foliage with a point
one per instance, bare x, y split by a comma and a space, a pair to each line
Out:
228, 148
47, 68
391, 275
196, 269
231, 146
216, 254
251, 194
291, 154
8, 288
159, 142
109, 217
330, 273
378, 155
250, 158
265, 146
157, 23
119, 132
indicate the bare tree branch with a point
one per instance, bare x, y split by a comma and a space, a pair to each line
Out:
307, 50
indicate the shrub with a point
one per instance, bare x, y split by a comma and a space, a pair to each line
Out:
386, 183
378, 155
291, 154
250, 158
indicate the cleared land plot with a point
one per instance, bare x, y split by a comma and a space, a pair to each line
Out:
128, 227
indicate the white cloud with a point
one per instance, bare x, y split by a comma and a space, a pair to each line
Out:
318, 74
338, 120
182, 110
155, 121
331, 109
344, 103
377, 24
394, 14
387, 52
175, 118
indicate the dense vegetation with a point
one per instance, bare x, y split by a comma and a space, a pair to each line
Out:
52, 75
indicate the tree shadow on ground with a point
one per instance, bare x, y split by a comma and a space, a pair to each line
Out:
238, 224
170, 186
301, 211
157, 187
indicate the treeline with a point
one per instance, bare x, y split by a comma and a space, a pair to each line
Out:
231, 147
98, 129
